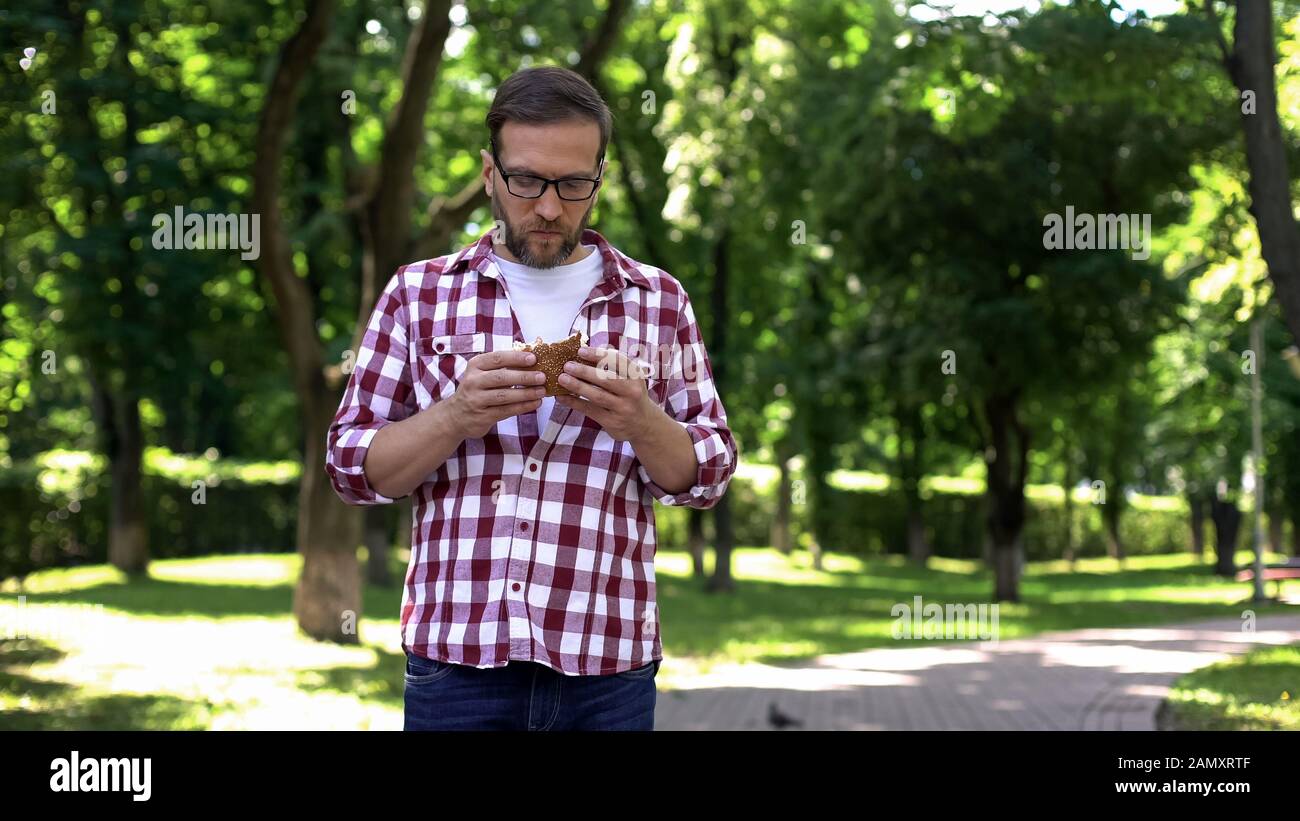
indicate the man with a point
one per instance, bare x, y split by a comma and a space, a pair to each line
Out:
530, 595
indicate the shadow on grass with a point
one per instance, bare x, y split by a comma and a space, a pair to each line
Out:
383, 681
842, 611
1128, 578
55, 705
167, 598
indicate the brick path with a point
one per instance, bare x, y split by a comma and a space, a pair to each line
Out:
1097, 679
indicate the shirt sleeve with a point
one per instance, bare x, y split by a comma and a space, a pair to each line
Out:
379, 392
692, 401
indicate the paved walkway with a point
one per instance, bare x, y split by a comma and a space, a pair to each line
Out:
1100, 679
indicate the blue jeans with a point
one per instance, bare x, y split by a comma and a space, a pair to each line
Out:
525, 695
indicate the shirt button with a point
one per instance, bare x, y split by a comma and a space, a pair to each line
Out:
523, 525
532, 468
515, 586
438, 347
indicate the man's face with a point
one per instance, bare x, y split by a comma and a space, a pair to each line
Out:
543, 232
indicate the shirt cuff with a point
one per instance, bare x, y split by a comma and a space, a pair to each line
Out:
347, 456
715, 461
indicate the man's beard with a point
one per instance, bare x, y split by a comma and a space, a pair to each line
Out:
517, 241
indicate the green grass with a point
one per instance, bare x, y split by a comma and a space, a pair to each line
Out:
786, 610
210, 642
1256, 691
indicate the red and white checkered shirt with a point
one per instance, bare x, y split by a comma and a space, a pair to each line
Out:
528, 545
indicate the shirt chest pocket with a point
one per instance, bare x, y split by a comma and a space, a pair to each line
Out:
441, 362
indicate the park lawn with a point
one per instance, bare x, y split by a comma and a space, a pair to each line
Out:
773, 617
1259, 690
210, 642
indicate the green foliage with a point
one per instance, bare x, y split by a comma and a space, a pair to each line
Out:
914, 157
56, 507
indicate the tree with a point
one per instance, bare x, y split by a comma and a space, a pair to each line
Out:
966, 139
383, 197
1249, 61
121, 135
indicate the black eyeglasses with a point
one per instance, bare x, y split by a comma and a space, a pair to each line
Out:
530, 187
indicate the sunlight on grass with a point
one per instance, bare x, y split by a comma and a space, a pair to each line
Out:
78, 665
1256, 691
211, 642
63, 580
784, 609
253, 571
236, 673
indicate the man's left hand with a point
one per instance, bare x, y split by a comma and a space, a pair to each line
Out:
611, 391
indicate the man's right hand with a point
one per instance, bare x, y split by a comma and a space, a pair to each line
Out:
487, 392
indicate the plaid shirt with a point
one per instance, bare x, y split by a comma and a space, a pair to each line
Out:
526, 544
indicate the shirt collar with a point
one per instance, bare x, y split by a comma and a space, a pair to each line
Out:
619, 269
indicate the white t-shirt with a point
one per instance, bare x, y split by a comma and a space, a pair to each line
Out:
546, 301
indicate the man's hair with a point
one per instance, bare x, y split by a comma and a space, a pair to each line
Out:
548, 94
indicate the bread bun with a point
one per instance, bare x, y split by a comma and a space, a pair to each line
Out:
551, 357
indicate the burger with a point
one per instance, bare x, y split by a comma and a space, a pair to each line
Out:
551, 357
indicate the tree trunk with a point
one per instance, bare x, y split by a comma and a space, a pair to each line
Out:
725, 58
815, 548
117, 413
1196, 504
1251, 66
910, 460
723, 538
918, 547
1227, 524
329, 532
1111, 514
405, 524
1007, 564
812, 415
386, 220
1275, 522
377, 546
780, 533
1067, 484
128, 532
986, 540
327, 599
115, 397
695, 541
819, 491
1007, 466
128, 536
722, 580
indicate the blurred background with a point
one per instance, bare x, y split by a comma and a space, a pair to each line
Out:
930, 398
